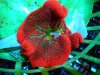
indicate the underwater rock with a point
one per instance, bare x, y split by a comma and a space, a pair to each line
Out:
78, 25
10, 41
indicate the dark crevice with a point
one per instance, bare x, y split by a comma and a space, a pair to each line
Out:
7, 64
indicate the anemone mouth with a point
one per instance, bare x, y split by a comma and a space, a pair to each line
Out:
49, 32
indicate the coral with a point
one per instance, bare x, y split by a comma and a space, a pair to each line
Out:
44, 37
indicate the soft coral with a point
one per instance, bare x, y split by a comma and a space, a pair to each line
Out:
34, 35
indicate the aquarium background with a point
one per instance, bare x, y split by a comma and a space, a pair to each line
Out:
82, 14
